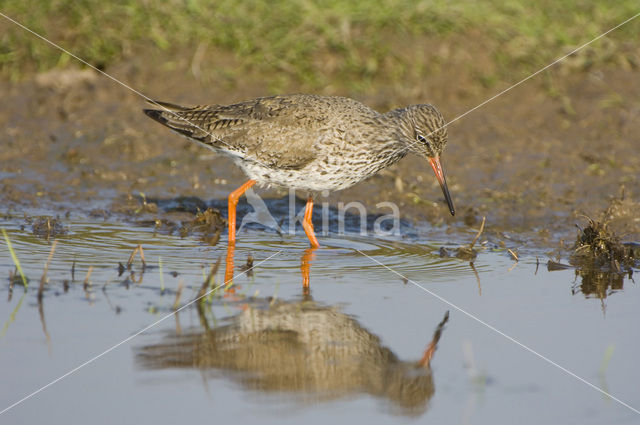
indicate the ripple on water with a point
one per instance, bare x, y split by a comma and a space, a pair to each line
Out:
103, 245
345, 255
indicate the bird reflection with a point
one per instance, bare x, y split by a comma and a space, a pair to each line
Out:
305, 268
303, 348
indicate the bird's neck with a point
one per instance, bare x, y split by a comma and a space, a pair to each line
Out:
391, 144
401, 127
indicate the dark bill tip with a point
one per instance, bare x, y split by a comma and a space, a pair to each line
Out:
437, 168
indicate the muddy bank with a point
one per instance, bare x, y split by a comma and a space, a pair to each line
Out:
533, 162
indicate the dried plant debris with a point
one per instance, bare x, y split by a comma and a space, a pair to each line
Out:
46, 227
248, 266
181, 216
137, 250
210, 223
556, 265
467, 252
602, 260
599, 247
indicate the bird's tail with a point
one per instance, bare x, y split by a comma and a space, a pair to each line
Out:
185, 120
169, 106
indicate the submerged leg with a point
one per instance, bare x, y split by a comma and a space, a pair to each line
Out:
305, 264
307, 225
228, 271
233, 202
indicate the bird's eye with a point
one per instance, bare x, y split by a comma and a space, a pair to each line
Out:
424, 140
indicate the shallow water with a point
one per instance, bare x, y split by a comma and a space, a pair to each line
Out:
268, 352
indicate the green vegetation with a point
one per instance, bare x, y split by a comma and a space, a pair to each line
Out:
14, 257
312, 42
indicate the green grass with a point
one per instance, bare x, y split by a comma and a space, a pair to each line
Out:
366, 39
14, 257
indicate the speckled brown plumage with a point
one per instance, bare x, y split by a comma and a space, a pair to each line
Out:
309, 142
299, 347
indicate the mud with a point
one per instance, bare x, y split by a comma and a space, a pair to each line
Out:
47, 227
534, 161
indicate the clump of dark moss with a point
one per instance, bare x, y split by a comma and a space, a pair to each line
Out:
46, 227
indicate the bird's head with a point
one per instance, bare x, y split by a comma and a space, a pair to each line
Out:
425, 132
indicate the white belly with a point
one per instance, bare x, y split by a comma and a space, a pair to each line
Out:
313, 177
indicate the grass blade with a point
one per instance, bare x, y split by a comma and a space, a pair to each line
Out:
15, 258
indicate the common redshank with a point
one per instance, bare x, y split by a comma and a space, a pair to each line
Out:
302, 346
308, 142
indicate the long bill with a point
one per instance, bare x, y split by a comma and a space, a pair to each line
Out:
437, 168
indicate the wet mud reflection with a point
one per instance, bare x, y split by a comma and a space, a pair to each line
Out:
303, 348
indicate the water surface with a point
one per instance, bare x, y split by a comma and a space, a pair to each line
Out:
351, 348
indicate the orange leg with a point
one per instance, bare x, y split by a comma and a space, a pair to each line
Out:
306, 260
233, 202
229, 290
428, 355
307, 225
228, 271
425, 361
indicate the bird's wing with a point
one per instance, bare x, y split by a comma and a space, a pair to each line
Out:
275, 131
